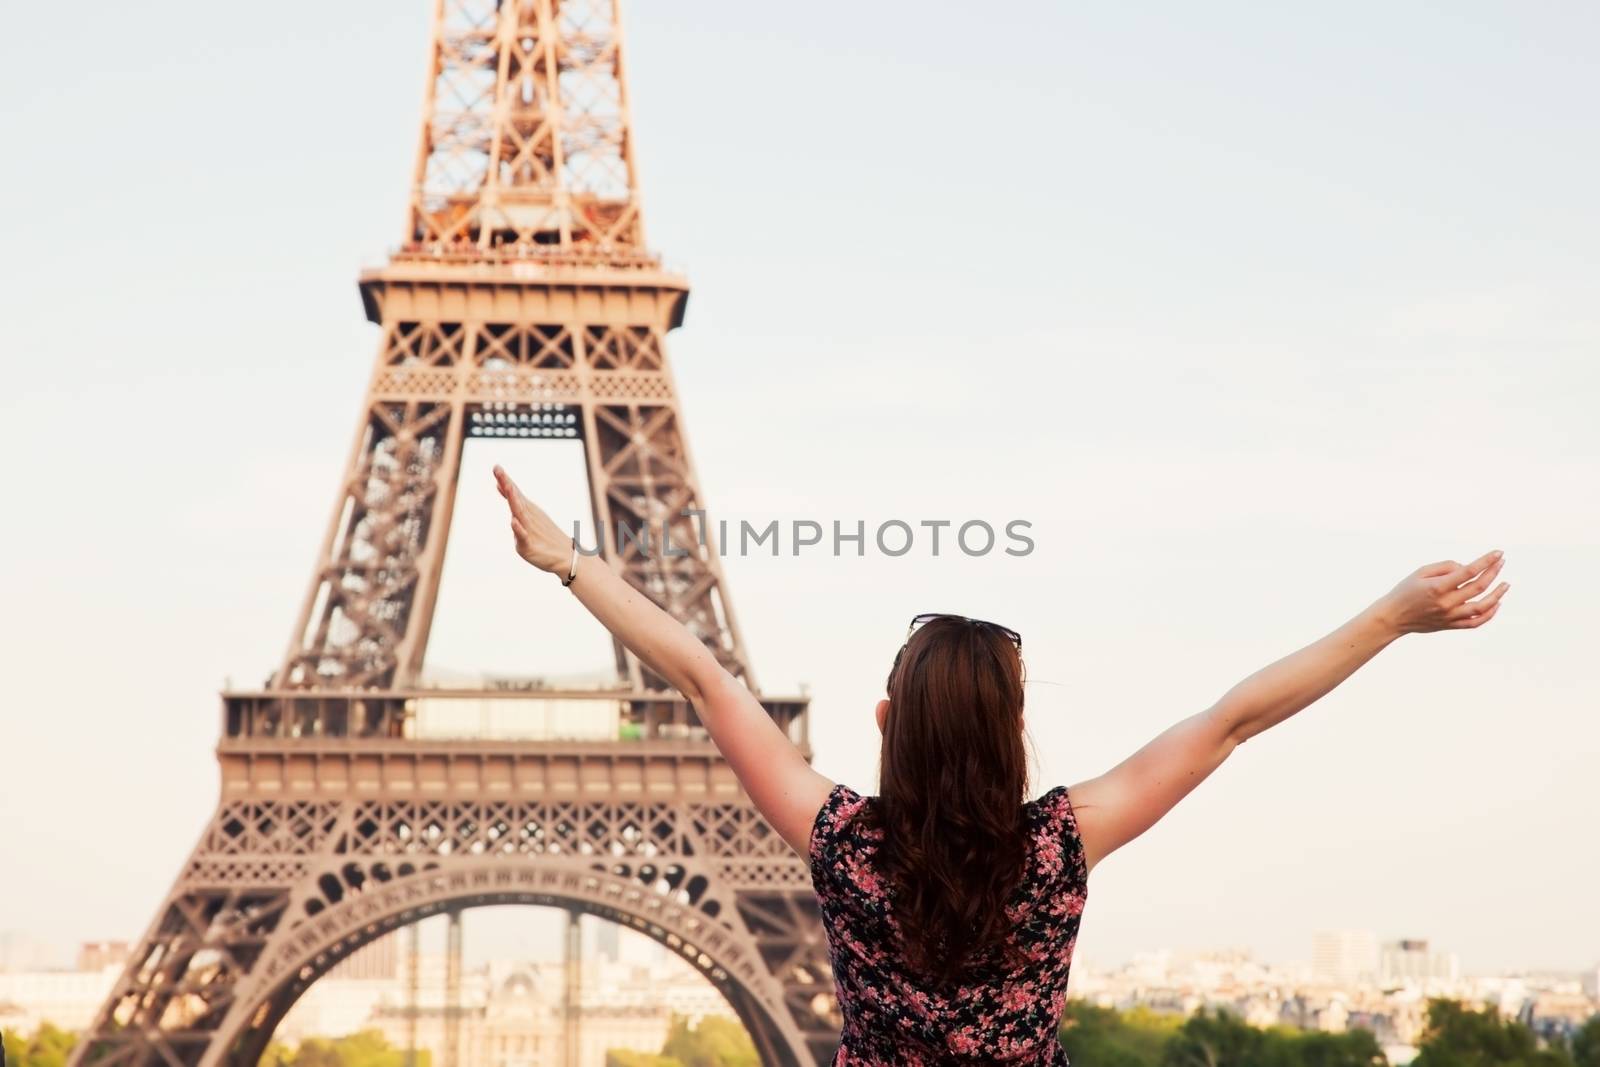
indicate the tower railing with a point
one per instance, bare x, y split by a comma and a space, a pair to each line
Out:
271, 717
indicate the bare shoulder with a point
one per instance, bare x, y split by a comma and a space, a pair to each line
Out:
807, 797
1087, 803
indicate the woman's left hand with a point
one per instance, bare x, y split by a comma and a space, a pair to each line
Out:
539, 540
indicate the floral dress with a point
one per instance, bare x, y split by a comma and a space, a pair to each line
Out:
998, 1015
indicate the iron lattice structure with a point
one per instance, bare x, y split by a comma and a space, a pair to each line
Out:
522, 303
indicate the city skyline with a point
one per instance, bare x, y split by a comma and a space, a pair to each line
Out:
510, 1000
537, 933
1293, 343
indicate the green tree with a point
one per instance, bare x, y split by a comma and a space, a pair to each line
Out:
315, 1052
1217, 1039
716, 1042
629, 1058
1355, 1048
1222, 1039
1586, 1044
1458, 1036
1105, 1037
49, 1046
368, 1048
14, 1046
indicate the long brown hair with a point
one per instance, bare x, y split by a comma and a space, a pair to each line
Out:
953, 775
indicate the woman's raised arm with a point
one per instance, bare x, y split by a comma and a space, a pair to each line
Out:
783, 786
1127, 800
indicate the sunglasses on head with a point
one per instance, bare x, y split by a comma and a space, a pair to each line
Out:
928, 617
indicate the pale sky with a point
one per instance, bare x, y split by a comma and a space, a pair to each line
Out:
1250, 310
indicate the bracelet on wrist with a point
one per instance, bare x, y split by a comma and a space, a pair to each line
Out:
572, 571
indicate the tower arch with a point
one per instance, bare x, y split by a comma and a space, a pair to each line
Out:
622, 893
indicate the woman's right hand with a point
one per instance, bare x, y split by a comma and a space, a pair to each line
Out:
539, 540
1445, 596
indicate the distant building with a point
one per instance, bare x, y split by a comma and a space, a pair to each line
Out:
1318, 1012
524, 1024
1333, 1017
1556, 1015
19, 952
69, 999
1150, 968
512, 1014
608, 941
1410, 961
522, 1021
1400, 1055
370, 963
1344, 957
1259, 1011
335, 1007
98, 955
1505, 995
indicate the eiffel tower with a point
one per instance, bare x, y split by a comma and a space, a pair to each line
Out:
523, 302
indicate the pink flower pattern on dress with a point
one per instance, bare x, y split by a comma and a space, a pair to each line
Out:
1001, 1014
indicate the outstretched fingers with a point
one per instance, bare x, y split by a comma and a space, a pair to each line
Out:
1465, 572
503, 482
1477, 612
1474, 588
509, 490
